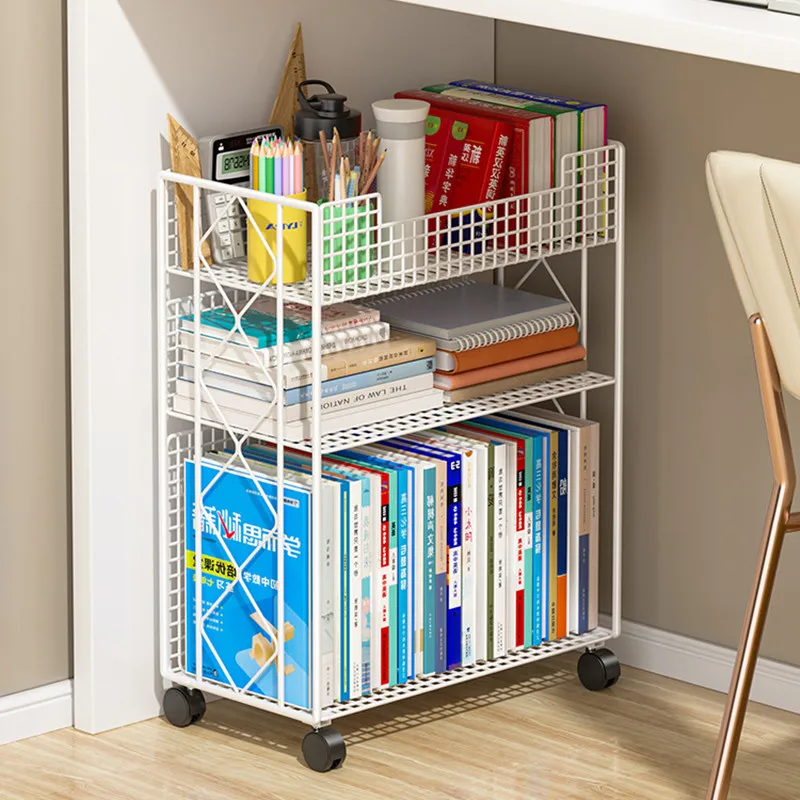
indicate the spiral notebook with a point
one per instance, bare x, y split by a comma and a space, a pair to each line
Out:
465, 315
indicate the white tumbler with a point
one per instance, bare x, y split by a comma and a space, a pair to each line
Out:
401, 181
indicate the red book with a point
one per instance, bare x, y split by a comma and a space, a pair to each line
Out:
529, 164
477, 151
437, 138
530, 159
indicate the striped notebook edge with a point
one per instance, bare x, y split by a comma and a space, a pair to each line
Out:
514, 330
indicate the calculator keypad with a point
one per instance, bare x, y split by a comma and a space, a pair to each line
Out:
228, 237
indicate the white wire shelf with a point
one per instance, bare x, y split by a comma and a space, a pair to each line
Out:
429, 683
413, 423
586, 210
582, 212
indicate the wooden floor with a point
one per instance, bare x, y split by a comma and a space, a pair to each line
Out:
529, 734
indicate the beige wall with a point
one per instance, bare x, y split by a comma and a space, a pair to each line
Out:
34, 594
696, 460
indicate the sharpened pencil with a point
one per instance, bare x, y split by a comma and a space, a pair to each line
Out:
255, 165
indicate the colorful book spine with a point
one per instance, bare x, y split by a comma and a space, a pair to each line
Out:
404, 595
384, 619
553, 541
537, 598
453, 443
429, 580
392, 471
450, 579
344, 600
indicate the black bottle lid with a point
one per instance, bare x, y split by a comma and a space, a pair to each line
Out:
324, 112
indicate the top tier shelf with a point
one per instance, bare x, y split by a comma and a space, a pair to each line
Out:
369, 256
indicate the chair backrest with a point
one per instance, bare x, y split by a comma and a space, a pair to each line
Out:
757, 204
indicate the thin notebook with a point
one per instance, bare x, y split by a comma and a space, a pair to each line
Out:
448, 311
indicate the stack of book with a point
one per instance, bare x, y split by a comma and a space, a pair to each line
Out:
369, 373
489, 338
440, 549
486, 125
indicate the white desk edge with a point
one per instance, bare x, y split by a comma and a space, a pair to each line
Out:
724, 31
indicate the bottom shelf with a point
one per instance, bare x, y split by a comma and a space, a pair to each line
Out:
593, 639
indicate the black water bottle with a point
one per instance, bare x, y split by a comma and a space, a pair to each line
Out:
324, 112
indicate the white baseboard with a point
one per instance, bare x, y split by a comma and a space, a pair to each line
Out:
37, 711
703, 664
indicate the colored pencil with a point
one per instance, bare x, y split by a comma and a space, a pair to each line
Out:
255, 154
299, 183
288, 179
264, 180
278, 188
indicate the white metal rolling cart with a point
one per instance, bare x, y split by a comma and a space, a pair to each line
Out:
585, 211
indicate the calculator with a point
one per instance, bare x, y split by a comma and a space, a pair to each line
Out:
226, 159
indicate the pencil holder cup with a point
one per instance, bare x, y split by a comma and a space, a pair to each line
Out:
261, 266
349, 251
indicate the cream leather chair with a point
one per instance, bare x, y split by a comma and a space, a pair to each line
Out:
757, 204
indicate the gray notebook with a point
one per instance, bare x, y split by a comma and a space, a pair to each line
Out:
448, 311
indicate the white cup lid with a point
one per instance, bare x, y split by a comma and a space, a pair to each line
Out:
401, 110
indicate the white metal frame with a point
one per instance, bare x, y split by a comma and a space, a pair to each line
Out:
585, 211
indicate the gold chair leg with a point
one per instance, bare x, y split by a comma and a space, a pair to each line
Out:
776, 526
747, 656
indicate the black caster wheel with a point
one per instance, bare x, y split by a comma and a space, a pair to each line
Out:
184, 707
324, 749
598, 669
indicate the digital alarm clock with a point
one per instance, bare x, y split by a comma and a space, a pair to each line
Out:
226, 159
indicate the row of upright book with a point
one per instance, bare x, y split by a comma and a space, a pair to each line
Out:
439, 550
389, 357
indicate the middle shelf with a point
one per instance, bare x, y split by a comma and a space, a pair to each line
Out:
409, 423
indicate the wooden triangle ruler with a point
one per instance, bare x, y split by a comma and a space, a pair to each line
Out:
185, 161
294, 73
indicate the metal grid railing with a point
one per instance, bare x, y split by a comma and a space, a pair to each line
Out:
360, 254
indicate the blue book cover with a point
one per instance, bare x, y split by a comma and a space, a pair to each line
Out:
363, 380
429, 610
453, 459
405, 580
583, 572
523, 94
261, 328
244, 635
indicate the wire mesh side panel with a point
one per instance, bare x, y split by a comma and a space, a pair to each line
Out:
179, 448
363, 254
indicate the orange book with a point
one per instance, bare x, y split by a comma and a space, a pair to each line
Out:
506, 351
448, 381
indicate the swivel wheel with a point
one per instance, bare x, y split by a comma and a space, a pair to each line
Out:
324, 749
598, 669
184, 707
